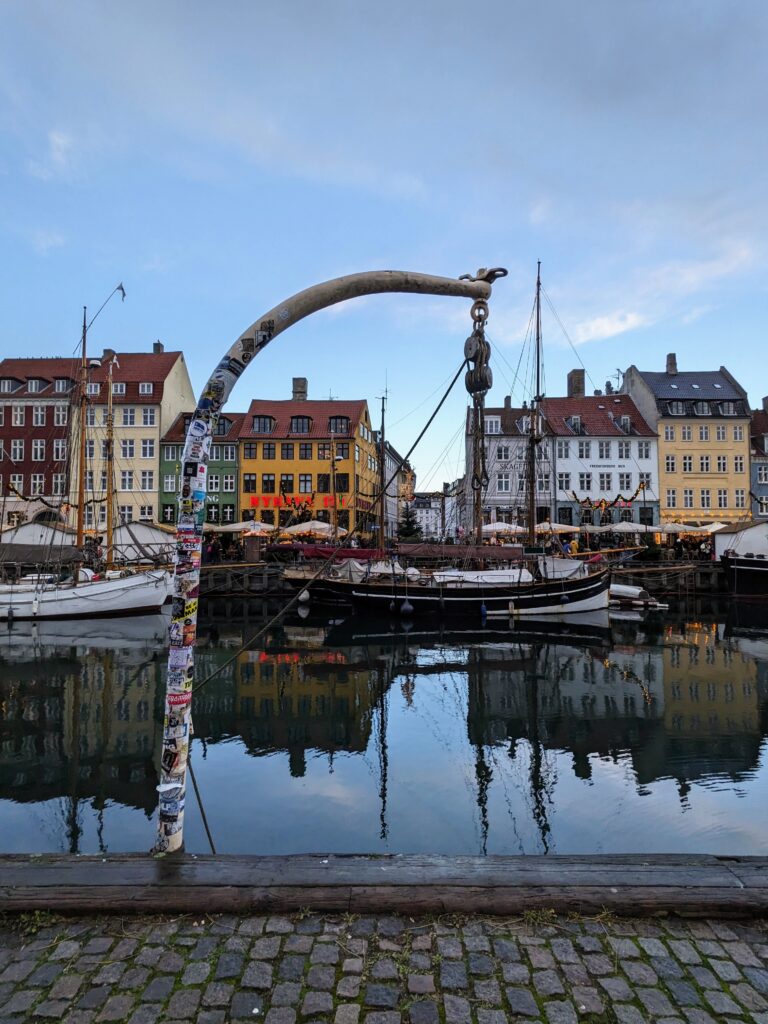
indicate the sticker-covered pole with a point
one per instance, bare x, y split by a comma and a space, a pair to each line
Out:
177, 726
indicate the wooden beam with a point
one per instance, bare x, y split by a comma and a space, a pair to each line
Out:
636, 885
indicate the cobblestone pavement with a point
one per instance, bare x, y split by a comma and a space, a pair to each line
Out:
382, 970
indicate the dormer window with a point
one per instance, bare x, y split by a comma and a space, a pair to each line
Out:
92, 389
702, 408
6, 385
301, 424
222, 427
728, 408
146, 388
61, 385
492, 425
263, 424
574, 422
118, 388
677, 408
338, 424
33, 385
626, 424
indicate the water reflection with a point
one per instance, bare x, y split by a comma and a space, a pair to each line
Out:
360, 735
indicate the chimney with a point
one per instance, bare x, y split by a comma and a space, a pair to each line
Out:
508, 401
672, 363
107, 354
576, 384
158, 348
299, 389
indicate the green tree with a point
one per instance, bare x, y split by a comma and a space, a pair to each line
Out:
408, 529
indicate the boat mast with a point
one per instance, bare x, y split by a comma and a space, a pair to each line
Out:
382, 480
81, 459
533, 433
110, 470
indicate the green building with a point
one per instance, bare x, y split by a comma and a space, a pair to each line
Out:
221, 503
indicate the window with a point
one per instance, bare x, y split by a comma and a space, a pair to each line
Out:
146, 512
338, 425
669, 434
702, 408
671, 498
687, 463
169, 513
503, 482
585, 448
305, 450
38, 450
542, 482
703, 433
301, 424
625, 481
126, 513
88, 481
147, 480
169, 483
286, 483
249, 450
58, 484
229, 453
625, 449
305, 483
688, 497
61, 385
103, 480
37, 483
738, 463
585, 481
146, 388
147, 416
214, 483
722, 497
324, 450
90, 448
563, 450
686, 433
342, 483
60, 415
267, 483
60, 449
286, 451
706, 498
268, 450
738, 433
323, 483
129, 416
92, 389
126, 480
728, 408
105, 449
357, 453
703, 463
118, 388
762, 473
17, 481
38, 415
670, 464
722, 463
212, 513
90, 416
169, 453
342, 450
604, 449
677, 408
492, 425
127, 449
227, 513
249, 483
606, 481
17, 450
263, 424
18, 415
564, 481
644, 449
720, 432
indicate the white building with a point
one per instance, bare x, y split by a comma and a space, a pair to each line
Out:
437, 513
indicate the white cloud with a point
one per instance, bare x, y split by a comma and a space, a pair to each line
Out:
608, 325
58, 161
43, 241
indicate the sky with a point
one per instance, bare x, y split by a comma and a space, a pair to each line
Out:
218, 158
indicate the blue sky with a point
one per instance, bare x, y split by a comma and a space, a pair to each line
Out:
219, 158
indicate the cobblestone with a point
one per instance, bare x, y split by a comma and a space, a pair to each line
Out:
389, 970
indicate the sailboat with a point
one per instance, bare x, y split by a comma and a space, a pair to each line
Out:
52, 591
539, 585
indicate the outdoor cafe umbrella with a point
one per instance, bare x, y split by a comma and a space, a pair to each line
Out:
499, 527
547, 527
625, 527
315, 527
246, 526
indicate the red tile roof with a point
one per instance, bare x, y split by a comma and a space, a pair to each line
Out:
176, 432
132, 369
319, 413
598, 416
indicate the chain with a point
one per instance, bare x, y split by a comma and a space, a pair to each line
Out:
478, 381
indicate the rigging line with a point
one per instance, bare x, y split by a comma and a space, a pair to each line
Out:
417, 407
200, 805
568, 338
358, 525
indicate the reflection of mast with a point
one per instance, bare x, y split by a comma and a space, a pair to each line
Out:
538, 785
106, 723
74, 829
484, 777
383, 755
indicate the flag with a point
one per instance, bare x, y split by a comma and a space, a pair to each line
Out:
121, 290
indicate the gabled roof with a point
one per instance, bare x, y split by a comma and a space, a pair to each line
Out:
132, 369
48, 370
600, 416
759, 431
319, 413
511, 420
694, 385
176, 432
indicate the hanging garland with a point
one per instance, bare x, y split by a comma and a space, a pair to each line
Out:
49, 504
604, 503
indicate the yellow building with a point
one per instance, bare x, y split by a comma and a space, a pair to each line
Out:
287, 471
702, 419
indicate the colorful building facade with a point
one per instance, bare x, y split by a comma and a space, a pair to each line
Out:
759, 463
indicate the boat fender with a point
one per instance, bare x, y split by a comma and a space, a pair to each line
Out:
304, 596
423, 582
406, 608
564, 599
483, 611
391, 606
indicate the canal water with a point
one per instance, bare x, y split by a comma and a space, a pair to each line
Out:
356, 735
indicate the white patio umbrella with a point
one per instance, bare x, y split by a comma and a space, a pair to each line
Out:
499, 527
625, 527
316, 527
246, 526
547, 527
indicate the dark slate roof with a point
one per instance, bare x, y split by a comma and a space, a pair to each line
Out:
711, 385
758, 432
